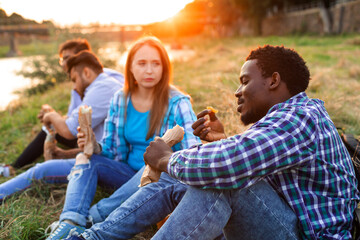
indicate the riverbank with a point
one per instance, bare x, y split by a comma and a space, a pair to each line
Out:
211, 78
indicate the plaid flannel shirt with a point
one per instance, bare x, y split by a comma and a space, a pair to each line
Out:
179, 112
297, 149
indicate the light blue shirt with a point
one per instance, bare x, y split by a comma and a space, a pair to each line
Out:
115, 74
75, 99
136, 128
97, 95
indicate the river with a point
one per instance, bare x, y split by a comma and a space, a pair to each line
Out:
9, 81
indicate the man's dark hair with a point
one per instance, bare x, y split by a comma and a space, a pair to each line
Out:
288, 63
84, 59
78, 45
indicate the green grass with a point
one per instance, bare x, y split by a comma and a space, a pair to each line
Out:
211, 78
33, 48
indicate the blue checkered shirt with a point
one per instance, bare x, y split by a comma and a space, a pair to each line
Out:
179, 112
297, 149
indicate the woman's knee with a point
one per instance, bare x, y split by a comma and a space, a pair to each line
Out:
78, 170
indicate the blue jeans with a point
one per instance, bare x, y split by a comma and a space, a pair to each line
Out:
83, 181
256, 212
149, 205
53, 171
101, 210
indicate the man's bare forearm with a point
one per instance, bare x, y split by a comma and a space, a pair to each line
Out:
66, 153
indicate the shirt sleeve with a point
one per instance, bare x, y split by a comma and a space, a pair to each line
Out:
109, 138
276, 143
185, 117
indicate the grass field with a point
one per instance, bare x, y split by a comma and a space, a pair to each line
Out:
211, 78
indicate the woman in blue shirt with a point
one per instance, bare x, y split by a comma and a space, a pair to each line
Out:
146, 107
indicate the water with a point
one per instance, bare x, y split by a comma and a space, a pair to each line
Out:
9, 81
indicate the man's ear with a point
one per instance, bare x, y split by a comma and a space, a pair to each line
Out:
87, 72
275, 80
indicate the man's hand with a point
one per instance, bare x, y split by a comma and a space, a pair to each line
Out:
81, 140
45, 108
208, 129
58, 122
48, 119
59, 153
157, 155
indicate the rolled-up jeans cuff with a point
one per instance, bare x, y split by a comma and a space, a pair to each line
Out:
94, 213
74, 217
87, 234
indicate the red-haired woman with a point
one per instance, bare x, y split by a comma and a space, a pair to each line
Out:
146, 107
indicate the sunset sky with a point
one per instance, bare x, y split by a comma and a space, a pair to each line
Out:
67, 12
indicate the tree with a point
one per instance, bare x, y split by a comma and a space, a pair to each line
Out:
2, 14
257, 10
16, 19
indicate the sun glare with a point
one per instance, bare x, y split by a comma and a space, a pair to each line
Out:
67, 12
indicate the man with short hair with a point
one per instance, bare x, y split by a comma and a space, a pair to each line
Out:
65, 136
72, 47
96, 89
288, 176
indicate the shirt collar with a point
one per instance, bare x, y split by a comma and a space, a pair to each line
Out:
98, 78
298, 99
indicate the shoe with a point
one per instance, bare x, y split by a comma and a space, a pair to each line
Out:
6, 170
65, 230
52, 227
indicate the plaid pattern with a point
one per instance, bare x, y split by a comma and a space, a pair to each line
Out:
297, 149
179, 112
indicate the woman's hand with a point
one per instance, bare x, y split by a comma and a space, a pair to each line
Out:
81, 141
208, 127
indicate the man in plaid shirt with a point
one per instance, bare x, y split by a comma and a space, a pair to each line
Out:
288, 176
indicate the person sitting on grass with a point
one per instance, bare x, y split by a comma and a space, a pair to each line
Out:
288, 176
147, 107
290, 173
67, 138
96, 89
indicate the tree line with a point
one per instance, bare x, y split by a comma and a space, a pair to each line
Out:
17, 19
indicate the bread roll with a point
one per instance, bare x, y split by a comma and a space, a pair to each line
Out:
85, 127
171, 137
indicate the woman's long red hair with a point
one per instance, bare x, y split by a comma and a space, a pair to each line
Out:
162, 89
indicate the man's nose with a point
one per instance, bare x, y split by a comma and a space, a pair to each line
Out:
238, 91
